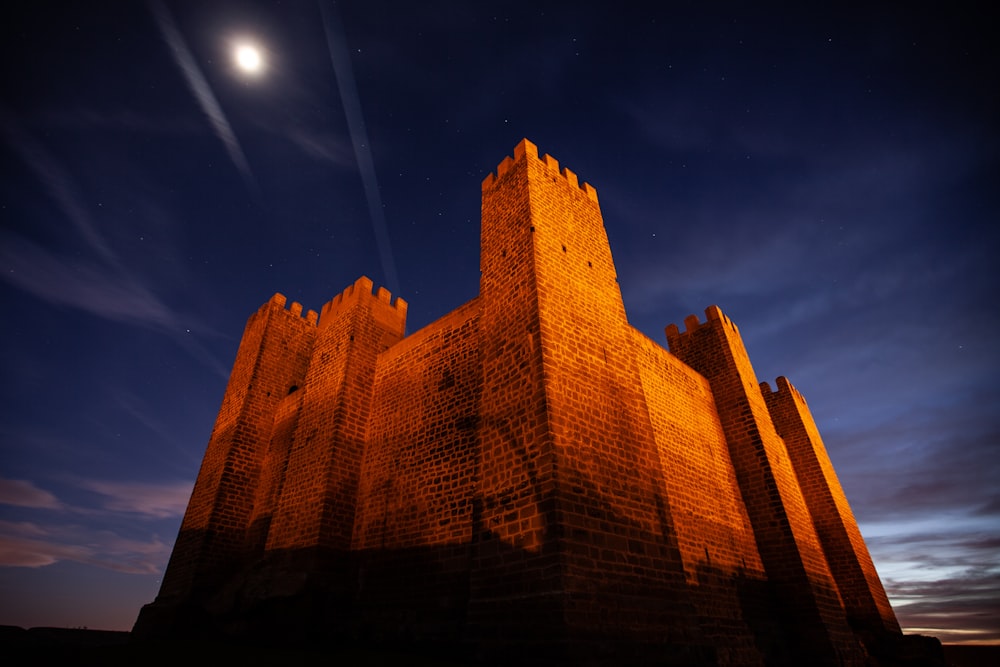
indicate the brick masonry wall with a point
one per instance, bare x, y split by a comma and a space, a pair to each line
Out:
272, 356
622, 582
860, 588
418, 472
716, 541
272, 468
414, 522
317, 503
786, 539
516, 587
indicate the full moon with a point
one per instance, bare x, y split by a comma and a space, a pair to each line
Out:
248, 58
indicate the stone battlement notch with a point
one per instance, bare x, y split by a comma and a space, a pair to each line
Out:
523, 480
528, 149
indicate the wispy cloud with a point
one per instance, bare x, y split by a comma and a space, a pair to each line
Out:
154, 501
942, 578
81, 284
145, 414
320, 146
26, 544
59, 184
148, 500
22, 493
95, 281
202, 91
100, 285
91, 541
88, 119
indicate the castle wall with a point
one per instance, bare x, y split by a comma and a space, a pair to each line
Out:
714, 532
516, 584
416, 497
272, 357
416, 489
786, 539
721, 564
861, 591
317, 503
272, 468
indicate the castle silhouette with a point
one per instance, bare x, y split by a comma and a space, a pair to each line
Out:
526, 480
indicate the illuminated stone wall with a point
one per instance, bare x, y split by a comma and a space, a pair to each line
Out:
786, 537
273, 356
850, 563
528, 478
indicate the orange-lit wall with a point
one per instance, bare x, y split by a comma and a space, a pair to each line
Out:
716, 541
273, 356
851, 565
416, 487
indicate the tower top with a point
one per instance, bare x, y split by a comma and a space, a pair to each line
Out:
526, 150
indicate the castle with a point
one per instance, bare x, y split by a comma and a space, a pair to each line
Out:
528, 479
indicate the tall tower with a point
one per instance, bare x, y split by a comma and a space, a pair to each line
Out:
316, 509
214, 537
567, 444
860, 588
789, 547
277, 488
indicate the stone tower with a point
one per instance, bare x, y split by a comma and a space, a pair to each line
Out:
528, 478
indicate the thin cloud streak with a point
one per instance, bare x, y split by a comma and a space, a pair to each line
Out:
110, 291
202, 92
118, 120
23, 493
26, 544
341, 59
114, 296
151, 501
57, 182
319, 146
45, 542
145, 415
950, 594
81, 285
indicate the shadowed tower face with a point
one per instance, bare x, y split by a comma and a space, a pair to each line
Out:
527, 477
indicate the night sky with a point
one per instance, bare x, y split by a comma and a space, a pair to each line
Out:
828, 177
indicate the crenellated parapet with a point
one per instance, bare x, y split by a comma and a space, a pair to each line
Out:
529, 151
295, 310
783, 386
692, 323
360, 293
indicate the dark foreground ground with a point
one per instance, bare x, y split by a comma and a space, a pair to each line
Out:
59, 646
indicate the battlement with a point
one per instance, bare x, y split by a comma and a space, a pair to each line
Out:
356, 293
528, 150
279, 300
783, 387
692, 323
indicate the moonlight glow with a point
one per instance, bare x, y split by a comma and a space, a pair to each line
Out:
248, 58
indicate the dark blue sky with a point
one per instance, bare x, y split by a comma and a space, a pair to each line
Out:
827, 176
